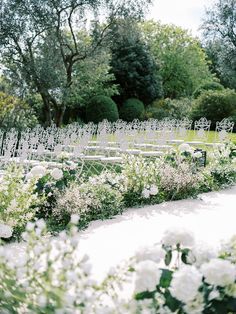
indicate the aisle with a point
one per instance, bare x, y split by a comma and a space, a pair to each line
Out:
212, 218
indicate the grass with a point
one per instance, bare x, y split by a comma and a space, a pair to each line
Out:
211, 138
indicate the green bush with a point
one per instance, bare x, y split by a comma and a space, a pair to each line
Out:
214, 86
100, 108
172, 108
15, 113
132, 109
215, 105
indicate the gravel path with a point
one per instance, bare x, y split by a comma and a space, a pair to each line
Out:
212, 218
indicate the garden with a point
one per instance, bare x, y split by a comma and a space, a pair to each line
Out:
117, 160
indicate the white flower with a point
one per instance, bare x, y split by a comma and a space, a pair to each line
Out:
176, 236
185, 283
30, 226
203, 253
74, 219
148, 276
5, 231
219, 272
57, 173
185, 148
195, 306
214, 295
153, 190
155, 254
41, 224
38, 171
42, 300
146, 193
197, 155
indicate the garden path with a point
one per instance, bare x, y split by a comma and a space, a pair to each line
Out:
211, 217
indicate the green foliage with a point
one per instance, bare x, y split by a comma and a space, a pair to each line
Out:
214, 86
43, 41
100, 108
15, 113
215, 105
219, 27
172, 108
18, 201
133, 66
182, 61
92, 77
132, 109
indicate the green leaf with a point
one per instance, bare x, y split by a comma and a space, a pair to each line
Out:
166, 278
168, 258
145, 295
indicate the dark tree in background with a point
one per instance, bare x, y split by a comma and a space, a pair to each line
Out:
220, 35
134, 67
43, 41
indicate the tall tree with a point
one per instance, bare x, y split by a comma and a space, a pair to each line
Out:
183, 63
134, 67
220, 39
41, 42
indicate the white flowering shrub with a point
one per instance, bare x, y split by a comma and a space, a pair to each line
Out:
50, 277
96, 199
18, 200
181, 181
143, 179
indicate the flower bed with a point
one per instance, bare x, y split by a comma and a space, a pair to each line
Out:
56, 194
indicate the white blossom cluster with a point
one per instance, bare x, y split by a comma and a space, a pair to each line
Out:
17, 199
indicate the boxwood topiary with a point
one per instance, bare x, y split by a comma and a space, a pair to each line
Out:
132, 109
100, 108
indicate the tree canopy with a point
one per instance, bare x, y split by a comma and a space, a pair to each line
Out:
42, 41
220, 39
133, 66
183, 63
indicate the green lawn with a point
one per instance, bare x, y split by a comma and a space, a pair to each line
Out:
212, 137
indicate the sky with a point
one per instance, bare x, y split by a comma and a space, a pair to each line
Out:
185, 13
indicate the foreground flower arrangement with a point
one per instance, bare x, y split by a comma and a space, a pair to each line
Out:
56, 194
175, 276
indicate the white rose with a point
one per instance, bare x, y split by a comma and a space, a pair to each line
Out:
153, 190
155, 254
38, 171
148, 276
5, 231
219, 272
57, 173
185, 283
146, 193
176, 236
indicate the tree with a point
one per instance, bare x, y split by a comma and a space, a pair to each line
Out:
220, 39
183, 63
42, 41
133, 65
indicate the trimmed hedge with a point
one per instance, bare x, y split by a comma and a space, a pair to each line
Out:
100, 108
132, 109
215, 105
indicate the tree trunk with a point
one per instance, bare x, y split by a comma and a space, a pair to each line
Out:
47, 115
59, 115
